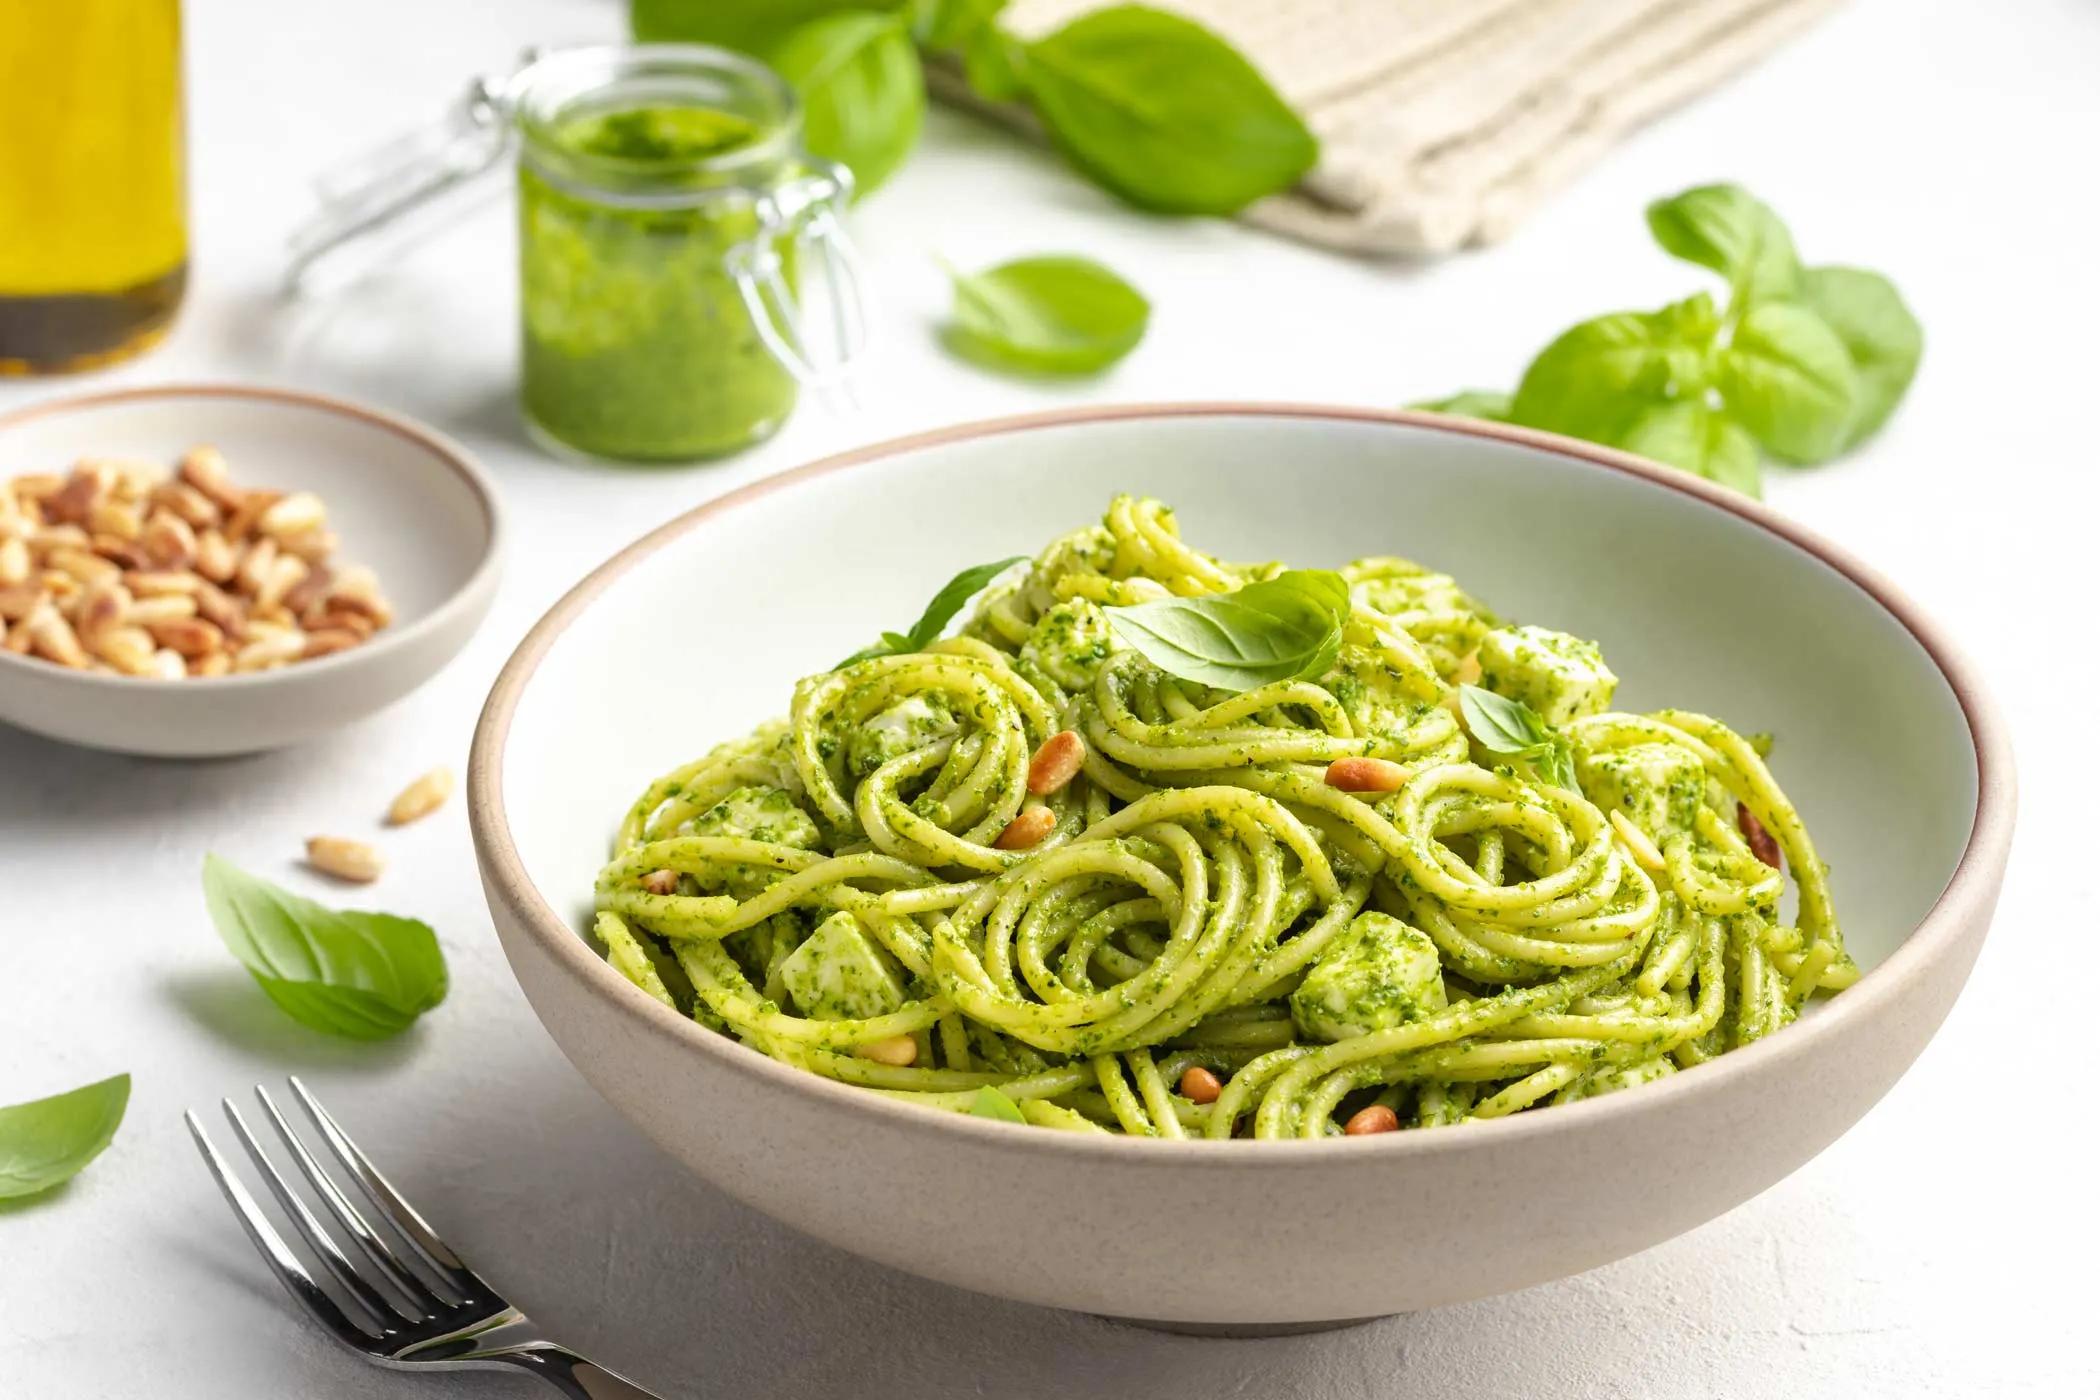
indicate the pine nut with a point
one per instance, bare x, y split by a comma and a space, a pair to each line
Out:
117, 522
1025, 830
187, 503
88, 568
424, 796
1375, 1119
216, 559
14, 562
255, 567
1199, 1085
1366, 775
102, 605
1762, 843
147, 611
204, 469
167, 666
273, 649
212, 663
656, 881
149, 583
52, 638
1056, 763
328, 641
188, 637
898, 1050
284, 574
129, 649
343, 858
296, 514
243, 517
19, 601
168, 540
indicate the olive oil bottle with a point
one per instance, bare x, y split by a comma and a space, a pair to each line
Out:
93, 246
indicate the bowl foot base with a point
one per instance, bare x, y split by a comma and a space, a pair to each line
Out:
1241, 1329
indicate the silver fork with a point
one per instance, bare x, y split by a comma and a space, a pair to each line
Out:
439, 1315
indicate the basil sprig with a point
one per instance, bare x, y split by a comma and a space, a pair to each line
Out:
1512, 729
47, 1141
1281, 629
1800, 364
1046, 315
358, 975
945, 605
1153, 107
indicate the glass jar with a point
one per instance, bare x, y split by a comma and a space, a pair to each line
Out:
93, 245
665, 209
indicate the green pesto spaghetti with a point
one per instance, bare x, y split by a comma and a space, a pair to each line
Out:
1425, 877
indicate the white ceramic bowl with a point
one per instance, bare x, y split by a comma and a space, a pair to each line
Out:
1700, 598
407, 502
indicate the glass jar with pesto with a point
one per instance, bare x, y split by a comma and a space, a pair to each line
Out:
667, 215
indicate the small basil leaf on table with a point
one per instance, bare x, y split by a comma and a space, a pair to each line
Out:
1163, 112
1730, 230
939, 613
47, 1141
1281, 629
1046, 315
1788, 378
863, 94
1698, 437
1484, 404
1879, 332
1598, 378
991, 1103
359, 975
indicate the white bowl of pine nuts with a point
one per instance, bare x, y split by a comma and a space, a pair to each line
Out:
192, 571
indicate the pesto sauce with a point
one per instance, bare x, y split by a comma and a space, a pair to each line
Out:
637, 345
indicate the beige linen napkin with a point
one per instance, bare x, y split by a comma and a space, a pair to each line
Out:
1444, 122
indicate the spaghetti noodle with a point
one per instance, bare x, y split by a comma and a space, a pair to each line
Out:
846, 890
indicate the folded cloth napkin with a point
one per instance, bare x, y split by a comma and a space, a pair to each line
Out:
1443, 123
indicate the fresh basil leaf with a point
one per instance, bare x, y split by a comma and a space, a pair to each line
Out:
863, 95
1046, 315
1281, 629
1163, 112
363, 976
1879, 332
1512, 729
47, 1141
1556, 765
749, 26
1694, 435
950, 25
1730, 230
1598, 379
1470, 403
1788, 378
991, 1103
1499, 724
992, 62
939, 613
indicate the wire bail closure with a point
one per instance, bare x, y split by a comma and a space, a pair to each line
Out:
807, 212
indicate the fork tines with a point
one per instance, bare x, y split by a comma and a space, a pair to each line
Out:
394, 1303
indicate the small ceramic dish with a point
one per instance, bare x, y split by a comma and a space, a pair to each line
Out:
1701, 599
408, 502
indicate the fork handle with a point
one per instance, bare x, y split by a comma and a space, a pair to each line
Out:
574, 1376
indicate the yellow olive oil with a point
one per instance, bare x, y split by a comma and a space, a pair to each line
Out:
93, 246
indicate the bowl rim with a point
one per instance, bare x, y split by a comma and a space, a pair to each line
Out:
383, 643
1968, 894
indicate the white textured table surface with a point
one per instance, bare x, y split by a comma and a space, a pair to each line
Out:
1945, 1247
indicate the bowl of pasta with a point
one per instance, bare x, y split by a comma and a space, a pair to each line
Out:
1423, 860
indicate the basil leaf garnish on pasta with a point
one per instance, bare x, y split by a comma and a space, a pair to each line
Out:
357, 975
1512, 729
1281, 629
990, 1103
47, 1141
939, 613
